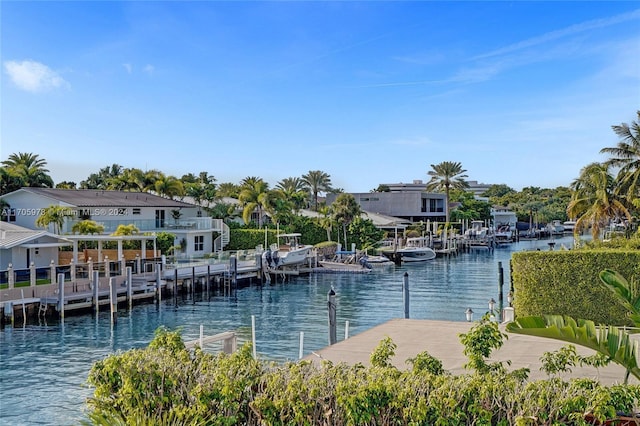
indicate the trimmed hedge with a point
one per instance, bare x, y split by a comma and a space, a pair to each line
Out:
566, 282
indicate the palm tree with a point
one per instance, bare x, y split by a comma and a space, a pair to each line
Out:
294, 190
228, 189
345, 208
626, 155
326, 221
446, 176
53, 215
316, 182
253, 196
169, 186
100, 180
30, 169
593, 200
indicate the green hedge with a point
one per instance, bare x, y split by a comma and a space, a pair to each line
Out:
167, 384
566, 282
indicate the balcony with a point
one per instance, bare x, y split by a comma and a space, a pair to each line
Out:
152, 225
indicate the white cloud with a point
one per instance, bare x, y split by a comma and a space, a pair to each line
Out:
149, 69
33, 76
128, 67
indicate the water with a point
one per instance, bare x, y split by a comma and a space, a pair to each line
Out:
43, 367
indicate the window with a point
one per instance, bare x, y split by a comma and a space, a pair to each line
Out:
199, 243
136, 211
436, 205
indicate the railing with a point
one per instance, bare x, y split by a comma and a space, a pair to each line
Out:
149, 225
33, 276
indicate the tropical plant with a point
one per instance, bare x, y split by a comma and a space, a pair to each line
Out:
446, 176
253, 196
124, 230
294, 190
85, 227
29, 168
55, 215
479, 342
101, 179
593, 201
344, 210
611, 341
626, 156
326, 221
168, 186
317, 181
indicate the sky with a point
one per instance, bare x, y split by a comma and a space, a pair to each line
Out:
370, 92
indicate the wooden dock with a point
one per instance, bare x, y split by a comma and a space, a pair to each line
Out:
441, 340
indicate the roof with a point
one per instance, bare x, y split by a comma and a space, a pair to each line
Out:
13, 235
101, 198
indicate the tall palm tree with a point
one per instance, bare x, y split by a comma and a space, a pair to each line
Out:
30, 169
53, 215
317, 181
169, 186
101, 179
253, 196
294, 191
626, 156
345, 209
446, 176
228, 189
593, 200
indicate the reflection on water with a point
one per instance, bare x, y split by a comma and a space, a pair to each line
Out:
43, 367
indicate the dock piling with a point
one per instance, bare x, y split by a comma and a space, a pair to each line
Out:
253, 335
96, 288
405, 292
129, 287
500, 287
301, 351
331, 304
61, 296
113, 300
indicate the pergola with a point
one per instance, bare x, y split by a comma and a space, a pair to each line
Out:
119, 239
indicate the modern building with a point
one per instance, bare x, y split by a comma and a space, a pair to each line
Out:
149, 213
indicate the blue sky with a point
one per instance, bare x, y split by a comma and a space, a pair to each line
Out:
521, 93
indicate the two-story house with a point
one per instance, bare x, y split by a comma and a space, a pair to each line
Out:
412, 204
149, 213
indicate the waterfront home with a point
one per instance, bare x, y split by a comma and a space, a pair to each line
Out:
19, 247
193, 230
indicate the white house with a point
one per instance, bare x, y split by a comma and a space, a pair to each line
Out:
150, 213
20, 246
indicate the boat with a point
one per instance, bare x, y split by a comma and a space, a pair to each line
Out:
555, 227
569, 225
479, 236
505, 224
288, 251
416, 250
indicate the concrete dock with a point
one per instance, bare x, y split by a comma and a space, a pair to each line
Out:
441, 340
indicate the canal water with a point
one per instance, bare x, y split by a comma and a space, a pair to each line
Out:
44, 366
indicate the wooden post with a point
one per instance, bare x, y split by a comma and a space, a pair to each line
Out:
11, 276
138, 264
158, 285
129, 287
301, 352
405, 292
96, 290
113, 300
72, 271
500, 287
107, 267
32, 274
61, 295
331, 304
123, 265
52, 272
253, 335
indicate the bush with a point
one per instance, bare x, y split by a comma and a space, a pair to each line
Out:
167, 384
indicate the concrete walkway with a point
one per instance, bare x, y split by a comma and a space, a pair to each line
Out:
441, 340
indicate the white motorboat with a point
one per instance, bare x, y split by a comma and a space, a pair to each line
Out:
556, 227
416, 250
287, 251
